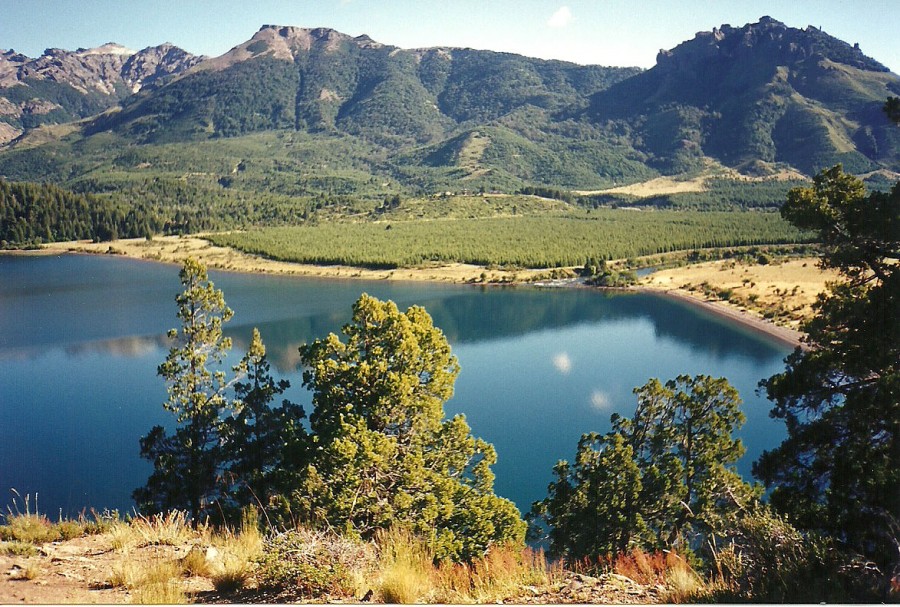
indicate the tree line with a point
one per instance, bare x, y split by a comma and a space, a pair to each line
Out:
31, 214
377, 451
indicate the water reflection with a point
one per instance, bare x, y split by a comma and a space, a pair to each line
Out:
81, 338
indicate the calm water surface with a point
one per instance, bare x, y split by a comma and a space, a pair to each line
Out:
81, 337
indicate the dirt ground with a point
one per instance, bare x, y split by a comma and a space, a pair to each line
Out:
78, 571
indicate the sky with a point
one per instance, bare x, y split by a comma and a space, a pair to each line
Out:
603, 32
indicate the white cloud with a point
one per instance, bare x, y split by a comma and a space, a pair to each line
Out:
600, 400
561, 18
563, 363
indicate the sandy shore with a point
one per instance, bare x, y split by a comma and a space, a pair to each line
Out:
669, 283
175, 249
786, 335
746, 292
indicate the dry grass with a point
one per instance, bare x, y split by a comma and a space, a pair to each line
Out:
407, 573
125, 574
156, 583
666, 569
502, 572
683, 584
30, 570
239, 553
406, 567
195, 563
171, 529
783, 292
160, 585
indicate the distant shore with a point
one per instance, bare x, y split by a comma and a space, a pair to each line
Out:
785, 335
175, 249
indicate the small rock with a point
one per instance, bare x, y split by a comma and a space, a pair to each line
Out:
212, 554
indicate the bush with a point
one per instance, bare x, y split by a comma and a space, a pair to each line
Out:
313, 563
762, 557
29, 528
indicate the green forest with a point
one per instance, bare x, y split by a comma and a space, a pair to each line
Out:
531, 242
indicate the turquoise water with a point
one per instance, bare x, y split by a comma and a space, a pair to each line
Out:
81, 337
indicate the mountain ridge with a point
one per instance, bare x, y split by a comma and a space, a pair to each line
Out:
761, 99
62, 85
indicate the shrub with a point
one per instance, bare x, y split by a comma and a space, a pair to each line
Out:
313, 563
762, 557
29, 528
16, 548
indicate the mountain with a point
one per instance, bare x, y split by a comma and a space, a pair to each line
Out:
320, 80
60, 86
296, 112
757, 95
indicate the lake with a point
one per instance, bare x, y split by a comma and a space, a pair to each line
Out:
81, 337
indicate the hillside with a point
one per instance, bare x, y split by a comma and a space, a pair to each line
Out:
297, 118
758, 96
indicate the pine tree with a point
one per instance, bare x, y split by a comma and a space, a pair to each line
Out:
262, 442
837, 472
187, 464
662, 479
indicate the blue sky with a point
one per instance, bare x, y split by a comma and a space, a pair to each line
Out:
605, 32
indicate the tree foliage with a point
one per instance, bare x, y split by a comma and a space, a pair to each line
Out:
662, 479
535, 242
32, 214
840, 396
187, 463
261, 442
384, 453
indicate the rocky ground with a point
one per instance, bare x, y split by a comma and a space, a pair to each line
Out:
80, 571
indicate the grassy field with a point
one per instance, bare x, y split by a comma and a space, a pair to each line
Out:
528, 242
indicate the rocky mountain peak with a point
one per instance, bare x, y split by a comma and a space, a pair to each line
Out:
110, 48
151, 65
767, 40
43, 87
280, 42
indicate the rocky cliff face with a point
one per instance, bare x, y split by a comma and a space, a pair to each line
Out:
65, 85
768, 41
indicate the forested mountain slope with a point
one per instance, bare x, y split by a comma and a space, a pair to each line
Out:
314, 112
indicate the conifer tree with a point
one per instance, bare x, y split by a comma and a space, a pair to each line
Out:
837, 472
385, 455
258, 439
187, 463
662, 479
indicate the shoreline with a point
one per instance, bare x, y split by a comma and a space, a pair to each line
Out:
785, 335
174, 249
